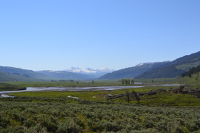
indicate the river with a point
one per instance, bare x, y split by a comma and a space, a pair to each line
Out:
61, 88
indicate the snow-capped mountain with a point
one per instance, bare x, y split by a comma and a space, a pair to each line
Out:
77, 73
89, 70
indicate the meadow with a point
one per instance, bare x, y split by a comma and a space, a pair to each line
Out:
95, 111
166, 98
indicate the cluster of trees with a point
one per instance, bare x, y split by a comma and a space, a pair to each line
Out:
62, 80
192, 71
127, 81
62, 117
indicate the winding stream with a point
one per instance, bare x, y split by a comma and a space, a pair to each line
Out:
61, 88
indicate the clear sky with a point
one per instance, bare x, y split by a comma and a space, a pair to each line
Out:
58, 34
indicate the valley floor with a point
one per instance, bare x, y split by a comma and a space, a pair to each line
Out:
163, 109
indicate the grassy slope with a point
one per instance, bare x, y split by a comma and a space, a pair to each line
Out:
23, 74
6, 77
193, 80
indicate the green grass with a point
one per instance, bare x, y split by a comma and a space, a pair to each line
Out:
166, 98
170, 99
159, 99
194, 80
84, 94
157, 81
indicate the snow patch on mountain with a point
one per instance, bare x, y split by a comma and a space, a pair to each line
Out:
89, 70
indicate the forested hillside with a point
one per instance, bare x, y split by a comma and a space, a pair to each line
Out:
133, 71
192, 71
174, 68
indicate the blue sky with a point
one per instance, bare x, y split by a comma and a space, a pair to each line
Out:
58, 34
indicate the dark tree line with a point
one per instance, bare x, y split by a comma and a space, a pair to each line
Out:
127, 81
192, 71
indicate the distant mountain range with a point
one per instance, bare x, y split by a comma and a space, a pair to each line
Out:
74, 73
89, 70
166, 69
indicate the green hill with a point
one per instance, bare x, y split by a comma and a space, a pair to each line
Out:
133, 71
4, 77
192, 71
23, 73
174, 68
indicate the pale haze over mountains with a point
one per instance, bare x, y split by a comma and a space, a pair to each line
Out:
165, 69
77, 73
89, 70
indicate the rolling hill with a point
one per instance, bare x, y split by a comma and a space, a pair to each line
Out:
192, 71
174, 68
5, 77
131, 72
23, 74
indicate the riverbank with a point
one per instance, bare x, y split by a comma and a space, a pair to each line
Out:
62, 88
